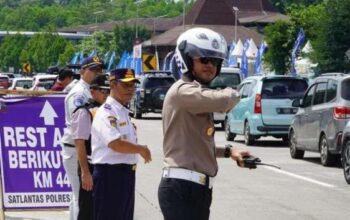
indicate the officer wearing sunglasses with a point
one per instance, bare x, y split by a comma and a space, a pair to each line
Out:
81, 127
185, 190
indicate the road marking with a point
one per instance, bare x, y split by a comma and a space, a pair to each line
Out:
301, 177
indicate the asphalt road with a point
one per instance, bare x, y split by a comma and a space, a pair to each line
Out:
301, 189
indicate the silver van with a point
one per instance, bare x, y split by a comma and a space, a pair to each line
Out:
228, 77
323, 113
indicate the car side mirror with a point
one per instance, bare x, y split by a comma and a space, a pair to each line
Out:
297, 103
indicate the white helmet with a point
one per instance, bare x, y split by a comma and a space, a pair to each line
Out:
199, 42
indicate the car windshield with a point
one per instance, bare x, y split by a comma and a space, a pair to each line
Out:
47, 84
158, 82
24, 83
283, 88
224, 80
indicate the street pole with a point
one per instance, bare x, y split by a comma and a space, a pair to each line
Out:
137, 18
96, 13
183, 14
235, 9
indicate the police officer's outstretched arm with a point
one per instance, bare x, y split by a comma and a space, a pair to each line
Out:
123, 146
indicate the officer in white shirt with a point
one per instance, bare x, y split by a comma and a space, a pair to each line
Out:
78, 96
115, 151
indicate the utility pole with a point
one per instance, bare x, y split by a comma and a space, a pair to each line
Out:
235, 10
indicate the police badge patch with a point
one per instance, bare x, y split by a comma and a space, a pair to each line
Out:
215, 44
210, 131
107, 106
112, 121
78, 100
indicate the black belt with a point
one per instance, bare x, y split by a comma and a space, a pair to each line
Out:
118, 166
68, 145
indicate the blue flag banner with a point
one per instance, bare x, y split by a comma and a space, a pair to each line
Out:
31, 162
129, 61
167, 60
93, 53
137, 66
298, 43
232, 60
259, 56
106, 56
122, 58
74, 59
81, 56
111, 61
244, 63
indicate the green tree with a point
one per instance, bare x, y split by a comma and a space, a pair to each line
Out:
45, 49
10, 49
278, 38
124, 37
67, 55
333, 38
99, 41
283, 5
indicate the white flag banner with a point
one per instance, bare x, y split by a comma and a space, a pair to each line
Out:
137, 51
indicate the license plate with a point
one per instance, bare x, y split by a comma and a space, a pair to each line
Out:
287, 110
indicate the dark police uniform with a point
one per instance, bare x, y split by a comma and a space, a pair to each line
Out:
114, 173
81, 126
189, 148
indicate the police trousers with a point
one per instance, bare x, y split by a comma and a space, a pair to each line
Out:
85, 200
185, 200
113, 192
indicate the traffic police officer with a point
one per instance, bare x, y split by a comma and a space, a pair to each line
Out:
185, 191
81, 126
114, 151
78, 95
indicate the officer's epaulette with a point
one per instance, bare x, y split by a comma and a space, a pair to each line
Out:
107, 106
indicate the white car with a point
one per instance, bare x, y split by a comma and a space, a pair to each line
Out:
228, 77
21, 83
43, 82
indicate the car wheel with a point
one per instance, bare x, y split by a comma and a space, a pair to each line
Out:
327, 159
294, 151
346, 161
228, 135
285, 139
248, 138
136, 113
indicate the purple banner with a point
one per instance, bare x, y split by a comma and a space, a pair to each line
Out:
31, 161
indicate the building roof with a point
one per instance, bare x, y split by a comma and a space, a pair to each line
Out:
211, 12
159, 24
169, 37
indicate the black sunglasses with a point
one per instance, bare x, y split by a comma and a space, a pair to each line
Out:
103, 90
215, 61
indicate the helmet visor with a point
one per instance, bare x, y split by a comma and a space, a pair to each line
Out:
196, 52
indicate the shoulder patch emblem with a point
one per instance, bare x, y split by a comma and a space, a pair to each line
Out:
210, 131
112, 121
107, 106
78, 100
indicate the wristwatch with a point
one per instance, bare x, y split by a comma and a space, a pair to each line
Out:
227, 152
